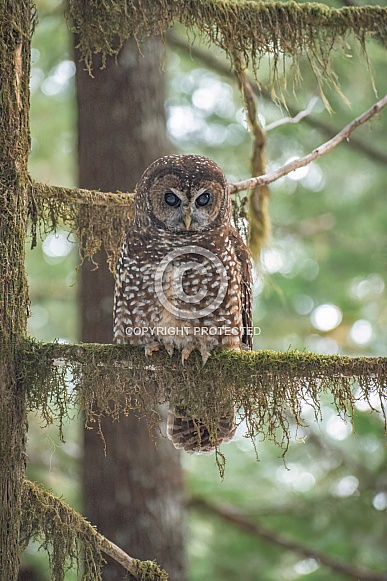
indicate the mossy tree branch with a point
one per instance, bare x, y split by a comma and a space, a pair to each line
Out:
99, 219
249, 28
69, 537
269, 388
259, 222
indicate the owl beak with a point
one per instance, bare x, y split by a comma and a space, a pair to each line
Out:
187, 220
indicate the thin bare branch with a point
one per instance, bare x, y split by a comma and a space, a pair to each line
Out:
109, 548
118, 555
307, 159
297, 118
235, 516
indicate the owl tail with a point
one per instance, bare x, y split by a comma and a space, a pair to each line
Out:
193, 436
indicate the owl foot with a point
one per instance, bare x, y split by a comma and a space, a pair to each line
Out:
151, 348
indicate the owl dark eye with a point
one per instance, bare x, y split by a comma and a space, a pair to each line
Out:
171, 199
203, 199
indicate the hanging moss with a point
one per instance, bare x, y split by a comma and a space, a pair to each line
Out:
98, 219
257, 216
69, 539
269, 388
253, 29
64, 533
101, 219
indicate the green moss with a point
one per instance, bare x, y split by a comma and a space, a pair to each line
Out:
16, 21
64, 533
283, 30
98, 219
257, 215
148, 571
268, 388
69, 538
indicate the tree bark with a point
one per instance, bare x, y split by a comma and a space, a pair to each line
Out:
134, 494
15, 18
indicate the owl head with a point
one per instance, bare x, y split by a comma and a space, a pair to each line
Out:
183, 194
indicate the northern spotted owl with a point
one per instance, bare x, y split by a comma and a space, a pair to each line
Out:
184, 277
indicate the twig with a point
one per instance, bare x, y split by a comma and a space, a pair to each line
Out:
307, 159
296, 119
236, 517
222, 68
118, 555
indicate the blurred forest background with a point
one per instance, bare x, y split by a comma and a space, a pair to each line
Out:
320, 287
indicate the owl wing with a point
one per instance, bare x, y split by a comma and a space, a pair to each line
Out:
244, 259
119, 311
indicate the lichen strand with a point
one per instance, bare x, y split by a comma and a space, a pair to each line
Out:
270, 389
251, 28
98, 219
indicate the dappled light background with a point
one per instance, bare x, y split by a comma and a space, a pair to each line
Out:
320, 286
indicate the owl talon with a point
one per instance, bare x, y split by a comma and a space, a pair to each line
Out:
151, 348
169, 349
205, 356
185, 354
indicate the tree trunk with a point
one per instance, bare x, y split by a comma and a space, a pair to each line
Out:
15, 18
134, 494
